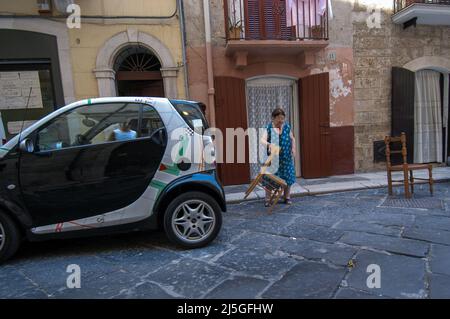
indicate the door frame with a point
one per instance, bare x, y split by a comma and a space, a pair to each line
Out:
294, 111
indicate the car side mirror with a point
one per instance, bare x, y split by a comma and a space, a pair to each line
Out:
26, 145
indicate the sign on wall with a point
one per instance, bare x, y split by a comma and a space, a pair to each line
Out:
15, 90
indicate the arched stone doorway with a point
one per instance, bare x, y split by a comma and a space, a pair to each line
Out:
424, 70
138, 73
106, 58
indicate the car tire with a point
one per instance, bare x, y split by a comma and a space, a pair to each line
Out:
9, 237
193, 220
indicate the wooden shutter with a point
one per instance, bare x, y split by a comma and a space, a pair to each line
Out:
315, 140
403, 89
231, 112
253, 19
266, 19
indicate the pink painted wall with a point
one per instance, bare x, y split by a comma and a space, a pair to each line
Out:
340, 69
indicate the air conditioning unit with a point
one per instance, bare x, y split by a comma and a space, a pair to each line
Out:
61, 5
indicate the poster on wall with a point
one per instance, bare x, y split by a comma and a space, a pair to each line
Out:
15, 89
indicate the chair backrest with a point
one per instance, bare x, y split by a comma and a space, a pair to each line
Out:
395, 139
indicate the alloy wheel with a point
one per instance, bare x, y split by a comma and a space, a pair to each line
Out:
193, 221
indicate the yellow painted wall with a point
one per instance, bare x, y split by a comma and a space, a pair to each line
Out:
18, 6
86, 42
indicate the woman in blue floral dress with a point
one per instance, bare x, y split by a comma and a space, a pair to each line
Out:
286, 142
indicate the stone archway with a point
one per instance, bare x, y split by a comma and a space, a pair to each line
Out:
104, 70
441, 65
437, 63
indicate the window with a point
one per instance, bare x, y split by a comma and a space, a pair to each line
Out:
97, 124
192, 114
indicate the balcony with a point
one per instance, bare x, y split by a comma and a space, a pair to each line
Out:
268, 27
428, 12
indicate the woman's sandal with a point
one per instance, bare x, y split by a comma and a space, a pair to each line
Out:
287, 201
267, 203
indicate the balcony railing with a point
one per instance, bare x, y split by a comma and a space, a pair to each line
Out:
276, 19
402, 4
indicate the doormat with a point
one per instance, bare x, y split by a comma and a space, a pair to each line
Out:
420, 203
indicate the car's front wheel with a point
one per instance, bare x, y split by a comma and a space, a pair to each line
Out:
193, 220
9, 237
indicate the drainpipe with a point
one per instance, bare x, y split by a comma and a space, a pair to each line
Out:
209, 64
183, 46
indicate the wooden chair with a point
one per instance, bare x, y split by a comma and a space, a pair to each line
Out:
269, 182
405, 167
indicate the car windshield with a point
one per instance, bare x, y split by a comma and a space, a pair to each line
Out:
192, 113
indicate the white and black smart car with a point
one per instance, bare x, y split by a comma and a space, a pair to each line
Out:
111, 165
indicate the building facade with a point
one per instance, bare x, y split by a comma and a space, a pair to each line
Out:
338, 68
120, 48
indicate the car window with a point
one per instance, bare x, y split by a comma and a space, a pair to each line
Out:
192, 114
151, 122
90, 124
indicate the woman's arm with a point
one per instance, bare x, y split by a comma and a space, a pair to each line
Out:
264, 139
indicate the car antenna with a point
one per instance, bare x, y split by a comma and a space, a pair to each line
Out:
23, 119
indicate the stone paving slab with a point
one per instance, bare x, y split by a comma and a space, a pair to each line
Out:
439, 286
264, 265
336, 254
349, 293
239, 288
430, 235
401, 276
307, 280
181, 276
440, 259
388, 243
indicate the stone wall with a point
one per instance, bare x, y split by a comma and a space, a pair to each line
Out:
375, 52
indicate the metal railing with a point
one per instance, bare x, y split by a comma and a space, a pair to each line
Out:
276, 19
402, 4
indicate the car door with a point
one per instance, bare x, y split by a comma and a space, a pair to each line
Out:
82, 166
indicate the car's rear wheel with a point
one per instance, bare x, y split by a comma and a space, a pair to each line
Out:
9, 237
193, 220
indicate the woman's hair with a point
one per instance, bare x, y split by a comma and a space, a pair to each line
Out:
278, 111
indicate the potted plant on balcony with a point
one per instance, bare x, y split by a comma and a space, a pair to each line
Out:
317, 32
235, 29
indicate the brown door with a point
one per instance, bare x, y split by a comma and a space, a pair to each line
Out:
403, 90
315, 139
231, 112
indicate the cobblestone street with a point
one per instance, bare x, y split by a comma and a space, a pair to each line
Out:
300, 251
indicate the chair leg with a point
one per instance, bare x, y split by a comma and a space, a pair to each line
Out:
253, 185
277, 198
389, 176
430, 176
406, 182
411, 179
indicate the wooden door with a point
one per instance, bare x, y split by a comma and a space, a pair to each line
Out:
403, 90
231, 112
315, 139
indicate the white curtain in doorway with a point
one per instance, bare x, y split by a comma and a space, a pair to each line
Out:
427, 117
263, 96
